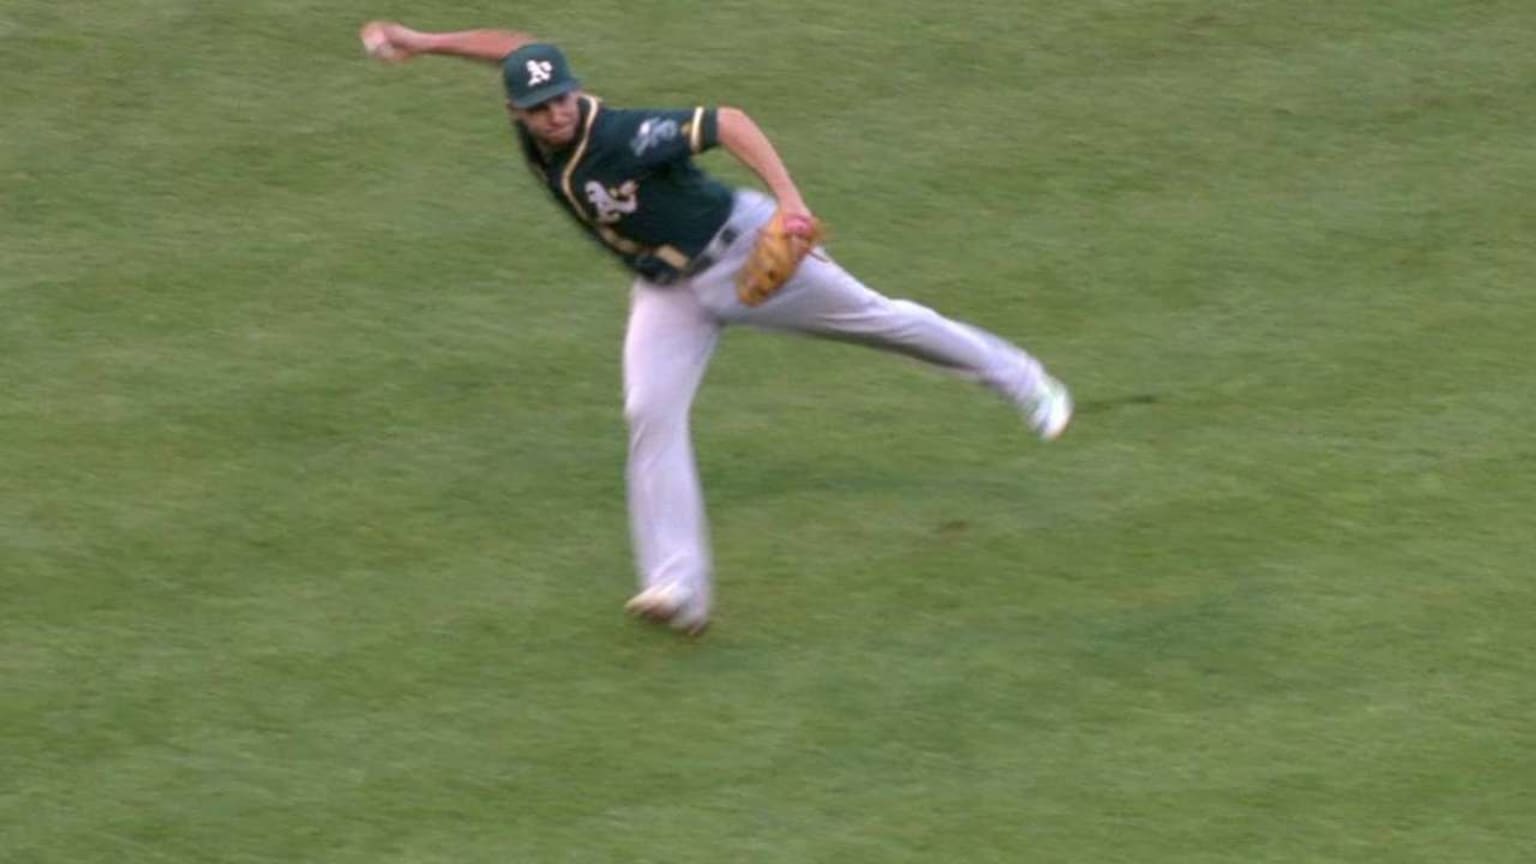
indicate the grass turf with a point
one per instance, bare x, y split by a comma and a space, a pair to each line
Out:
311, 523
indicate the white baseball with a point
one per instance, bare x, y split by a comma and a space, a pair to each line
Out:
376, 43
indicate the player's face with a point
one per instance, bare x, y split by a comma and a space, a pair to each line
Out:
553, 122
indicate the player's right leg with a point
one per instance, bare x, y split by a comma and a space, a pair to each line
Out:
667, 347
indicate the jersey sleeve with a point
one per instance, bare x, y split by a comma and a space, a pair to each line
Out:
662, 136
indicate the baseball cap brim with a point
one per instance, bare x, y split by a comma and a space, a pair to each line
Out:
535, 98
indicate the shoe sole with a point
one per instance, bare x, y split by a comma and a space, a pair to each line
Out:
657, 612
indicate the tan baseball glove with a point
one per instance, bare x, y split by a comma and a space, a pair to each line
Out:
782, 245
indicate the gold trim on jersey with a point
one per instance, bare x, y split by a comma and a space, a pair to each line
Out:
696, 129
672, 255
593, 105
619, 241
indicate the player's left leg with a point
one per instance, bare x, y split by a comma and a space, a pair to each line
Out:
825, 300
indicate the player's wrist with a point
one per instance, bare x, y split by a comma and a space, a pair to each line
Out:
417, 42
791, 202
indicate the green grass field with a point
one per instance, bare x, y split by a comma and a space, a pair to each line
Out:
312, 540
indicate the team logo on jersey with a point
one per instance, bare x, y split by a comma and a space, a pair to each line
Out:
651, 133
539, 71
612, 204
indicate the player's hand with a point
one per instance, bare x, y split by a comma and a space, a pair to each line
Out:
796, 218
389, 42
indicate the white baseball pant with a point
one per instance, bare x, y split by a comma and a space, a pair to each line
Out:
672, 332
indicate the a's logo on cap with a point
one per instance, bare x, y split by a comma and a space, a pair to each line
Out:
539, 71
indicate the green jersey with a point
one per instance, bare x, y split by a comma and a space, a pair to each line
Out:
630, 180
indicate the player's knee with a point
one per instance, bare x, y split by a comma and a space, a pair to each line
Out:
649, 410
906, 309
908, 322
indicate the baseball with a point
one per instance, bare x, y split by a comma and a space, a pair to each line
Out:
376, 42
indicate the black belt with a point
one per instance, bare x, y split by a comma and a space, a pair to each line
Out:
711, 254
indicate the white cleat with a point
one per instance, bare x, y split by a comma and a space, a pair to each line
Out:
1050, 410
670, 604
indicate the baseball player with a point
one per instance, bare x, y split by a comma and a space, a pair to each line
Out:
703, 256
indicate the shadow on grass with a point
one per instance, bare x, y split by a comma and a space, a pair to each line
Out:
1114, 403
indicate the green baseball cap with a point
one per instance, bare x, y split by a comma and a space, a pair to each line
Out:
536, 73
